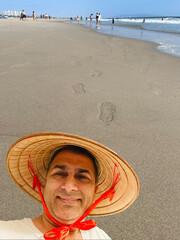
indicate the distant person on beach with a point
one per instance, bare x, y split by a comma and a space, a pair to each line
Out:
23, 15
112, 20
144, 20
97, 17
78, 18
90, 17
81, 18
34, 15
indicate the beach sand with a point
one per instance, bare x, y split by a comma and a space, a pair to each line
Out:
122, 93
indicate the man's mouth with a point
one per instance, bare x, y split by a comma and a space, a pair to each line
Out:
68, 200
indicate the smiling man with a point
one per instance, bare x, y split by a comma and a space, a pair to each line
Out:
72, 177
70, 187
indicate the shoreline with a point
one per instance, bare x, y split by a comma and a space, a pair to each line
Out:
169, 48
166, 41
140, 27
155, 45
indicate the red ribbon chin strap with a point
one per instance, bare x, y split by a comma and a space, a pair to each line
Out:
63, 230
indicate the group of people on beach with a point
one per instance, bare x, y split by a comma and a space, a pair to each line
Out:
98, 17
23, 15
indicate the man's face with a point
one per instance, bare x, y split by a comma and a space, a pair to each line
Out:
70, 186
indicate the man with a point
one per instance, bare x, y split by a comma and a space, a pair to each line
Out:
73, 175
78, 18
91, 17
97, 18
34, 15
81, 18
23, 15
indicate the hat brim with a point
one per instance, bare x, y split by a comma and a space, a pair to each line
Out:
41, 147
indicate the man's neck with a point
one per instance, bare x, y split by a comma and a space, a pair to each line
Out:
44, 225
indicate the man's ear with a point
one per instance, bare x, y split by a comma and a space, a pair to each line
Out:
43, 186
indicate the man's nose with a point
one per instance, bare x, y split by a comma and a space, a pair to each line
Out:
69, 184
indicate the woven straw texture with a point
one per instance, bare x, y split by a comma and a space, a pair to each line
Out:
41, 147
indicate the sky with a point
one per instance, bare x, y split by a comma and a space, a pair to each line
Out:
107, 8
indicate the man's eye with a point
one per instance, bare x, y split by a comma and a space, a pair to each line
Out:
82, 177
62, 174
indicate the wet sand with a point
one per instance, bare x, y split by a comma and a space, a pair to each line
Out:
122, 93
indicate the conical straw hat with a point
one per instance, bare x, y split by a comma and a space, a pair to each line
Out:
41, 147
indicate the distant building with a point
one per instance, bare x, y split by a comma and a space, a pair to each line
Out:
12, 13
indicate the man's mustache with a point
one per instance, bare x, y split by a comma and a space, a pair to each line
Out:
73, 194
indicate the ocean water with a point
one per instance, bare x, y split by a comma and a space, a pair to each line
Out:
163, 31
168, 24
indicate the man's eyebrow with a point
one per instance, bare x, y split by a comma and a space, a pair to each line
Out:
80, 170
60, 166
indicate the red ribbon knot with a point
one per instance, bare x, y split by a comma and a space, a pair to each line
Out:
57, 233
62, 232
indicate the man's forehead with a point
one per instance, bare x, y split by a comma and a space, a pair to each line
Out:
67, 157
70, 154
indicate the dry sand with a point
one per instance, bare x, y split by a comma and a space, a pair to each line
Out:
121, 92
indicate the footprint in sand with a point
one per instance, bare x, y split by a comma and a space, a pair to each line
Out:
76, 63
96, 73
107, 110
78, 88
